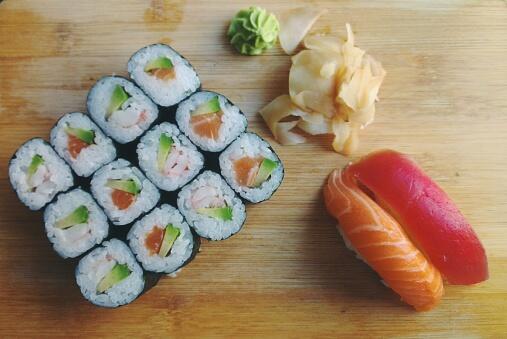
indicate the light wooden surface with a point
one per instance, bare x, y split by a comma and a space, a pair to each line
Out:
287, 273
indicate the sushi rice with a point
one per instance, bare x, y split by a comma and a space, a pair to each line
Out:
122, 169
50, 178
233, 121
252, 146
134, 116
74, 241
163, 92
183, 163
90, 158
210, 190
93, 267
181, 250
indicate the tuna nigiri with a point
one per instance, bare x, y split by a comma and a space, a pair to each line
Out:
428, 215
405, 227
382, 243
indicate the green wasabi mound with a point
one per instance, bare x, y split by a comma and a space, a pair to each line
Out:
253, 31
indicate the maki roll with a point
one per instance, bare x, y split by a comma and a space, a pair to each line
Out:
163, 74
75, 223
162, 240
37, 174
168, 158
82, 144
210, 120
123, 191
110, 276
211, 207
120, 108
251, 167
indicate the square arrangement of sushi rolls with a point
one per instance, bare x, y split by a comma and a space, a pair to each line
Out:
118, 227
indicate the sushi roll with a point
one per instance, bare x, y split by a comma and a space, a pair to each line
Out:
251, 168
168, 158
120, 108
82, 144
38, 174
211, 207
110, 276
163, 74
123, 191
162, 241
210, 120
75, 223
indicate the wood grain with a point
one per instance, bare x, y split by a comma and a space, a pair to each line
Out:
287, 274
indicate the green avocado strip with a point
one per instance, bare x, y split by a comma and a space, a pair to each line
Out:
78, 216
117, 274
118, 97
37, 160
171, 233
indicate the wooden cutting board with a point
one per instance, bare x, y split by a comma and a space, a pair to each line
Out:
287, 274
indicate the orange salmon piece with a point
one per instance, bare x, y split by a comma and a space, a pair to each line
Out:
163, 73
382, 243
122, 199
207, 125
75, 145
246, 169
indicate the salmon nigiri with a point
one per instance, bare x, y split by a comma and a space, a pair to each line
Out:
382, 243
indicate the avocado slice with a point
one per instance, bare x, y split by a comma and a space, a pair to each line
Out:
211, 106
125, 185
158, 63
265, 169
37, 160
170, 235
118, 97
117, 274
78, 216
165, 144
82, 134
222, 213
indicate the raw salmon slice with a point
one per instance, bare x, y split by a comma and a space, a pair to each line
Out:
246, 169
381, 242
75, 145
122, 199
163, 73
154, 239
207, 125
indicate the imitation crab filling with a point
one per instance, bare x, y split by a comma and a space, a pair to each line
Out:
209, 201
124, 110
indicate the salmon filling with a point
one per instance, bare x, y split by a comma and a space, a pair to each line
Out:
153, 240
207, 125
75, 146
121, 199
246, 170
163, 73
